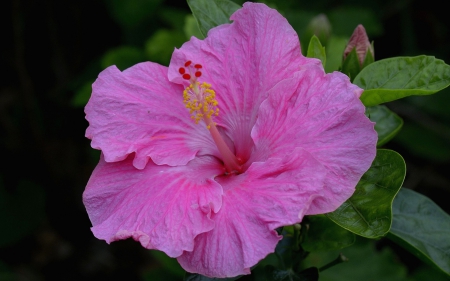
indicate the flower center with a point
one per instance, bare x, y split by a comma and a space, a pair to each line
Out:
201, 101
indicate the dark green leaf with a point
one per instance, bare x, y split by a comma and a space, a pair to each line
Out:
211, 13
426, 272
369, 211
350, 65
422, 227
316, 50
324, 235
390, 79
388, 124
364, 263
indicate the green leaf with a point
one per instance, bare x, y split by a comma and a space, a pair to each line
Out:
198, 277
211, 13
390, 79
351, 66
324, 235
369, 58
335, 48
427, 272
191, 27
423, 228
364, 263
316, 50
369, 211
387, 125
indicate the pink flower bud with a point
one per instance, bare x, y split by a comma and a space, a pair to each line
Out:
360, 42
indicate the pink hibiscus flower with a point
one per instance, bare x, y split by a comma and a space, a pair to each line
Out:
210, 187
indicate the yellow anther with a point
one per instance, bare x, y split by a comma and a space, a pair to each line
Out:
199, 98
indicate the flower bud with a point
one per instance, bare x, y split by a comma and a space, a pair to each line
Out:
360, 42
321, 27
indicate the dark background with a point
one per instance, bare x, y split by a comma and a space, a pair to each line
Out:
50, 53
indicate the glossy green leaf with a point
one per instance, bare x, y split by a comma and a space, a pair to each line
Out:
350, 65
387, 123
316, 50
369, 211
394, 78
325, 235
211, 13
423, 228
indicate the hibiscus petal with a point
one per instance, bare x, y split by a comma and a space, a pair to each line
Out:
140, 111
162, 207
242, 61
322, 114
268, 195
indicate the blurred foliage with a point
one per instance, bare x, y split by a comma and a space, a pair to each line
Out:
21, 211
54, 52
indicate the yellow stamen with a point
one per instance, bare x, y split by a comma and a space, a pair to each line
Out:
201, 101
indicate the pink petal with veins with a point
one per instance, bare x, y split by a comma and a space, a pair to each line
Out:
268, 195
139, 111
162, 207
321, 114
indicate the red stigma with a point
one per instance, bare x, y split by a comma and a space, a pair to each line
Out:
186, 76
198, 66
188, 63
198, 74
